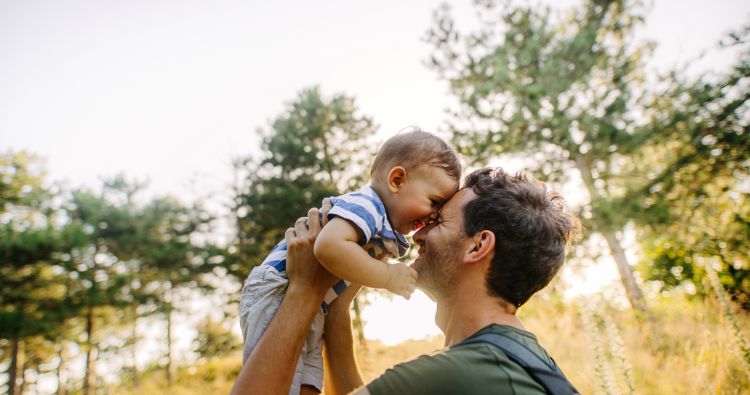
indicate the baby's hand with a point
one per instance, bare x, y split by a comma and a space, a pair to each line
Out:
401, 279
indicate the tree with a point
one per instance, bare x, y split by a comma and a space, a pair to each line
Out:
562, 91
215, 339
79, 266
315, 149
175, 257
99, 283
30, 297
131, 258
23, 180
694, 204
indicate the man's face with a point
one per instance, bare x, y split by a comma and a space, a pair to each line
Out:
440, 247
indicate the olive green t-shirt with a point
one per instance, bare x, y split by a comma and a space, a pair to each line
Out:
478, 368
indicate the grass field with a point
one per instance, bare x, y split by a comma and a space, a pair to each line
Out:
687, 348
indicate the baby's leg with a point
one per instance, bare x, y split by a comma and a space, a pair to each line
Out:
261, 297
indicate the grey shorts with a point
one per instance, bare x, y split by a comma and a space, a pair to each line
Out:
261, 296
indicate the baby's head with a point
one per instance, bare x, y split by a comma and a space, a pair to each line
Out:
414, 173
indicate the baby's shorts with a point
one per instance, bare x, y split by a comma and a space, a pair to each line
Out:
261, 296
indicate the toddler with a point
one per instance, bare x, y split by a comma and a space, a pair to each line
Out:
412, 175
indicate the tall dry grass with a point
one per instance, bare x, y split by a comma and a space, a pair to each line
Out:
686, 349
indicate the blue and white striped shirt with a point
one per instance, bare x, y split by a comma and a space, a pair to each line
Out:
366, 212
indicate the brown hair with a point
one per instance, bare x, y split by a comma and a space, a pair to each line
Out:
412, 149
531, 227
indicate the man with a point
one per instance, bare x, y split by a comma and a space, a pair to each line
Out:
494, 244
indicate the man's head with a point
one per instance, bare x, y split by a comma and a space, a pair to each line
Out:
513, 222
414, 173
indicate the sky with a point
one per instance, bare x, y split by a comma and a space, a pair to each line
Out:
172, 91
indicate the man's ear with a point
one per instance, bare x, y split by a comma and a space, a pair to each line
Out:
482, 246
396, 178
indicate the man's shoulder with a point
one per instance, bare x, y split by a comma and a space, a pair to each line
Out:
524, 337
466, 369
423, 374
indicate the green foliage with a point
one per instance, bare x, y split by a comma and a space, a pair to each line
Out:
694, 203
564, 91
32, 303
71, 263
215, 339
559, 89
21, 180
316, 148
27, 243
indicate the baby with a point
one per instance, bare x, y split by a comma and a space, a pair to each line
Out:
412, 175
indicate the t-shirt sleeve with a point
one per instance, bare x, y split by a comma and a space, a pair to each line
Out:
361, 211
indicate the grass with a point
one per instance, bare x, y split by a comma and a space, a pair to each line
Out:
688, 348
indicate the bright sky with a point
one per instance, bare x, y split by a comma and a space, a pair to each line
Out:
173, 90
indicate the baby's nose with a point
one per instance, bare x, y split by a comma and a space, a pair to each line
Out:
419, 235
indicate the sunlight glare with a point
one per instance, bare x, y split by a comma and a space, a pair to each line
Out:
396, 320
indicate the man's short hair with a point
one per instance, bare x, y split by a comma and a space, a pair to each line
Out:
412, 149
531, 227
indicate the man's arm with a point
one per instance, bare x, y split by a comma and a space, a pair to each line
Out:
270, 368
341, 371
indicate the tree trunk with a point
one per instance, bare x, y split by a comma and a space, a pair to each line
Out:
62, 376
13, 369
60, 370
169, 345
88, 379
328, 164
22, 368
358, 325
632, 290
136, 381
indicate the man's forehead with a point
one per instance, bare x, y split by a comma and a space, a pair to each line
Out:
457, 202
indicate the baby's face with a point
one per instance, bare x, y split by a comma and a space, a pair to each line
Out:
420, 197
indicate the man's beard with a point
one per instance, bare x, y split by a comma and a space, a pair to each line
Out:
437, 268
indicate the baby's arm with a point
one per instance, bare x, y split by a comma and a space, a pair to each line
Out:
337, 250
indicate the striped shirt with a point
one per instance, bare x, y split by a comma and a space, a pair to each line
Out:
365, 211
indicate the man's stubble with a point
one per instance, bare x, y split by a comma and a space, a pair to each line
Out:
438, 267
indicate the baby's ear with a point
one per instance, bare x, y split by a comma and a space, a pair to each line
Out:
396, 178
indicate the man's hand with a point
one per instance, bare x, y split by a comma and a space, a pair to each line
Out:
402, 280
303, 269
